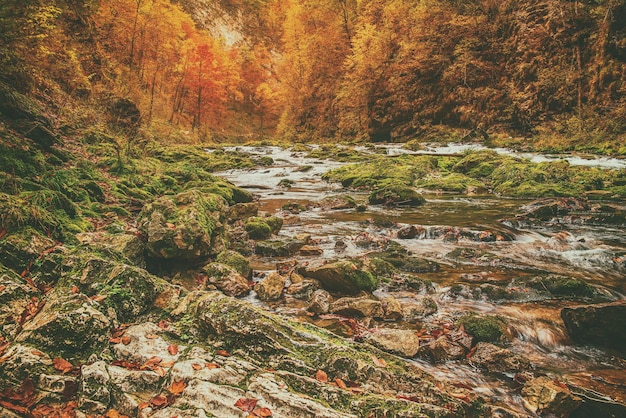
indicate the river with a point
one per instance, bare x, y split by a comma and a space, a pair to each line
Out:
534, 325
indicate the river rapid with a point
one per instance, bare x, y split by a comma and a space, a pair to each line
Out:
445, 224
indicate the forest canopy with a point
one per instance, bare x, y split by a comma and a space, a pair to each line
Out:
319, 69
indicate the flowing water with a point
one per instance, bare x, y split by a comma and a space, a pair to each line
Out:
447, 223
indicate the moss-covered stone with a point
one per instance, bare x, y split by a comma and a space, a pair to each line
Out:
227, 279
396, 195
563, 286
185, 226
483, 328
342, 276
258, 229
278, 247
236, 261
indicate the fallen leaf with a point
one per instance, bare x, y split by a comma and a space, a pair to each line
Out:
159, 370
153, 361
152, 336
222, 353
98, 298
168, 363
125, 340
177, 387
196, 366
379, 362
127, 364
246, 404
112, 413
163, 324
461, 396
143, 405
262, 412
321, 376
15, 408
340, 383
172, 349
38, 353
159, 401
75, 289
2, 288
471, 352
62, 365
212, 366
115, 340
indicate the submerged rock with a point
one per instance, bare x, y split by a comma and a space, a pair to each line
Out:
442, 349
279, 247
185, 226
549, 397
342, 276
601, 324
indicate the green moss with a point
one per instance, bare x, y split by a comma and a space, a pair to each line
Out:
258, 229
483, 328
563, 286
235, 260
363, 280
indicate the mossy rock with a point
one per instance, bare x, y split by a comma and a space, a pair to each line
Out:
20, 249
236, 261
258, 229
342, 276
483, 328
184, 226
68, 325
396, 195
278, 247
563, 286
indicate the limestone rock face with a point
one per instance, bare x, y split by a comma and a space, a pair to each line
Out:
187, 226
18, 250
270, 288
546, 397
67, 324
15, 295
397, 341
95, 395
20, 362
129, 246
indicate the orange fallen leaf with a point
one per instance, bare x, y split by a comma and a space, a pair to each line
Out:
2, 288
196, 366
115, 340
98, 298
159, 370
340, 383
222, 353
143, 405
321, 376
172, 349
163, 324
177, 387
262, 412
112, 413
246, 404
212, 366
159, 400
168, 363
75, 289
153, 360
125, 340
62, 365
379, 362
152, 336
38, 353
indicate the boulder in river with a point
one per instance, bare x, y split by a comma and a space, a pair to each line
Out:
185, 226
497, 359
363, 307
342, 276
320, 302
278, 247
226, 279
236, 261
402, 342
396, 195
549, 397
271, 287
601, 324
442, 349
242, 211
